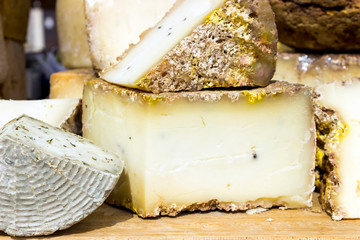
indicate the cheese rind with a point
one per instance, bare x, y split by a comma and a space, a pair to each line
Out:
64, 113
69, 83
221, 44
316, 69
51, 179
205, 150
71, 26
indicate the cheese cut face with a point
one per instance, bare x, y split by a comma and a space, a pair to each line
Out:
206, 150
50, 179
69, 83
62, 113
198, 44
71, 26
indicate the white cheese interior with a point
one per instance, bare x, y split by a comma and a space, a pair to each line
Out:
191, 152
114, 25
345, 99
53, 112
61, 144
158, 41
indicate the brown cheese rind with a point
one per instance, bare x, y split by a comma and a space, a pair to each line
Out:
321, 25
233, 52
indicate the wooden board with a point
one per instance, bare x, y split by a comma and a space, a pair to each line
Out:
112, 223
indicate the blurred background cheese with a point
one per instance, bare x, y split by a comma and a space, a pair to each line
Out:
230, 150
13, 20
69, 83
73, 44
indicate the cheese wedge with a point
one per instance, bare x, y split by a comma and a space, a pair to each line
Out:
198, 44
73, 44
338, 124
69, 83
64, 113
230, 150
50, 179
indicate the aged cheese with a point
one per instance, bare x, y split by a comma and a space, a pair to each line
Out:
335, 79
198, 44
73, 44
51, 179
69, 83
64, 113
231, 150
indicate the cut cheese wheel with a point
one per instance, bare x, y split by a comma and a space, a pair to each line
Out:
51, 179
206, 150
198, 44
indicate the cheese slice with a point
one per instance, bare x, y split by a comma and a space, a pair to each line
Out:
50, 179
73, 44
230, 150
198, 44
64, 113
335, 79
69, 83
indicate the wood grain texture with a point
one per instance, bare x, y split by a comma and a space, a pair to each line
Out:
111, 223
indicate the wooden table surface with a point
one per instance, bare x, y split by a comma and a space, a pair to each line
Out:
112, 223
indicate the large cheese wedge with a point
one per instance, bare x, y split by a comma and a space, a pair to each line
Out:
64, 113
230, 150
198, 44
73, 44
50, 179
69, 83
338, 124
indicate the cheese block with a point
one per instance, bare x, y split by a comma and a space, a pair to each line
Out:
73, 44
335, 79
316, 69
198, 44
338, 137
205, 150
69, 83
64, 113
51, 179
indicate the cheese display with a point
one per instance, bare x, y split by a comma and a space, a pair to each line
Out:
64, 113
51, 179
73, 44
69, 83
198, 44
205, 150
